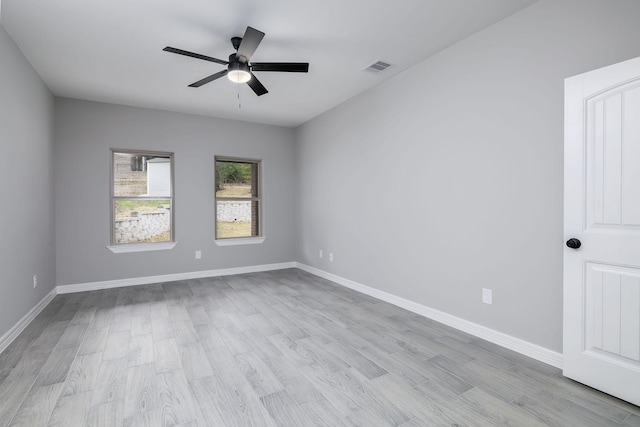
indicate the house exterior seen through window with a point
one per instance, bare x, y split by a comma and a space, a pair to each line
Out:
141, 197
238, 198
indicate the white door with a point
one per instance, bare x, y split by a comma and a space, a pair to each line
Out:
602, 211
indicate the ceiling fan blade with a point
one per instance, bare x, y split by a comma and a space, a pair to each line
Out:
249, 44
209, 79
194, 55
257, 87
290, 67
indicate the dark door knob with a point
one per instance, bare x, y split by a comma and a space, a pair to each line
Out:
574, 243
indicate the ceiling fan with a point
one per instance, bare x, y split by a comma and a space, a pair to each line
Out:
239, 69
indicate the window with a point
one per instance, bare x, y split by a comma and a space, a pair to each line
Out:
238, 198
141, 197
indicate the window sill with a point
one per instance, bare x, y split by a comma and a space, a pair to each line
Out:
240, 241
142, 247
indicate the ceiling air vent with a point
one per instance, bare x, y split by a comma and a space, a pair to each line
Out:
378, 66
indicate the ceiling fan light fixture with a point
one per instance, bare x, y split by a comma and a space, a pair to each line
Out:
239, 72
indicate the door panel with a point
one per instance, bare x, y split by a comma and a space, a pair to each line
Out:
612, 308
613, 190
602, 210
631, 159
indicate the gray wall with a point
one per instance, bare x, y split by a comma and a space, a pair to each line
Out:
85, 131
27, 228
449, 177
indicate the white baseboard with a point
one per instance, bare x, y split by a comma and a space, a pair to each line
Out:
109, 284
516, 344
13, 333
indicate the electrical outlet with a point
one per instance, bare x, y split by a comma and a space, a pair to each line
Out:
198, 254
487, 296
320, 253
330, 257
35, 280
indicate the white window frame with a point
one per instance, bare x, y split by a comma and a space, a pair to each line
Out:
139, 246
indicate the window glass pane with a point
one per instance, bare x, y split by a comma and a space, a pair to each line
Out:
141, 175
139, 221
237, 218
236, 179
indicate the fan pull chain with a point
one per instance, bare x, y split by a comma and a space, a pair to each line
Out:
239, 103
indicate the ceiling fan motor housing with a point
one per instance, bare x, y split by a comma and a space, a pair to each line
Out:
238, 71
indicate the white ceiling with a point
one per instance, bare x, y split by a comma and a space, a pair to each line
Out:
111, 50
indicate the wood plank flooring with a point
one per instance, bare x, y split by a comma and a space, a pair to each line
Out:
281, 348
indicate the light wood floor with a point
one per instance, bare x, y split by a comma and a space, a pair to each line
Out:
282, 348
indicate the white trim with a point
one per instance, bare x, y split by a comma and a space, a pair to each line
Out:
142, 247
13, 333
240, 241
512, 343
516, 344
109, 284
